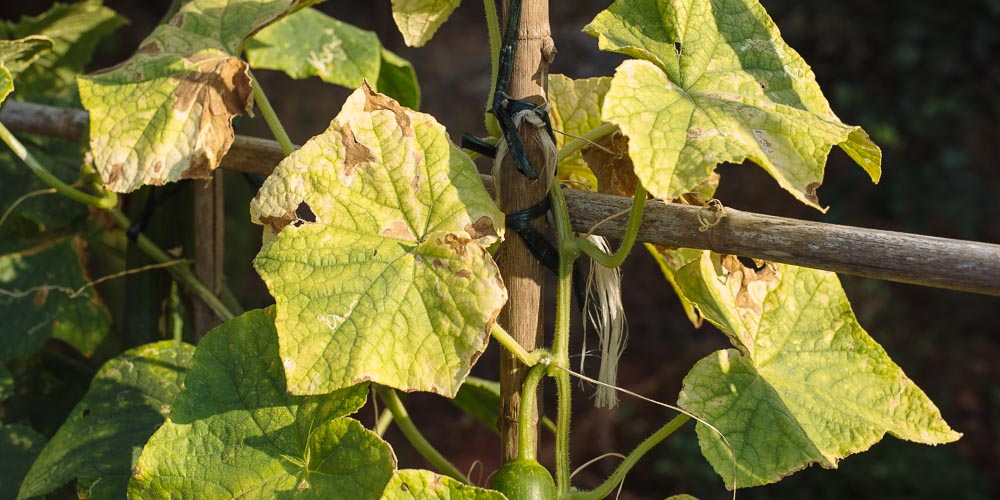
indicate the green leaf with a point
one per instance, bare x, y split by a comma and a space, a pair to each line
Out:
423, 484
165, 114
670, 261
398, 80
311, 43
6, 83
17, 55
716, 83
39, 299
6, 383
418, 20
805, 384
33, 209
576, 109
128, 399
235, 431
480, 399
75, 29
378, 266
19, 445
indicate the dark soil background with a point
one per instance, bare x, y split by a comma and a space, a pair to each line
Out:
923, 78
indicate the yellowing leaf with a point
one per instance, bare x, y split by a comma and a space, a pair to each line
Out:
418, 20
165, 114
75, 29
805, 384
716, 83
576, 109
409, 484
379, 266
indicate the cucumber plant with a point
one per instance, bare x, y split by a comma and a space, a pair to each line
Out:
378, 241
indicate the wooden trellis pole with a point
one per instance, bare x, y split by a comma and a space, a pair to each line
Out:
888, 255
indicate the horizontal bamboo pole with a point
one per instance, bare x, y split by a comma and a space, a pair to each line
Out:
887, 255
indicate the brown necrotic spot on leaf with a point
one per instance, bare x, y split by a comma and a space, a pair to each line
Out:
40, 297
612, 167
278, 223
354, 152
150, 49
483, 227
456, 243
115, 175
811, 192
398, 229
754, 283
375, 101
217, 91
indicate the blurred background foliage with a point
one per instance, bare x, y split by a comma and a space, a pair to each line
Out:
922, 77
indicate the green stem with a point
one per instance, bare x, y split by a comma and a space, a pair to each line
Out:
568, 253
175, 6
618, 476
515, 348
631, 232
493, 26
413, 435
107, 201
383, 423
585, 140
181, 273
271, 117
563, 414
526, 446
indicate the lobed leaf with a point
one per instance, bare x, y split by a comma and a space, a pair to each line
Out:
235, 431
311, 43
480, 399
423, 484
165, 114
19, 445
375, 253
129, 398
575, 110
398, 79
17, 55
74, 29
418, 20
6, 383
805, 383
38, 298
716, 83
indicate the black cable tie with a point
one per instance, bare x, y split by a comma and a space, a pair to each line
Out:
542, 249
139, 225
537, 244
477, 145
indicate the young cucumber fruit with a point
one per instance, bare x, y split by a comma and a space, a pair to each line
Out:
524, 479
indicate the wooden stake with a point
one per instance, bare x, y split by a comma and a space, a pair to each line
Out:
522, 273
208, 248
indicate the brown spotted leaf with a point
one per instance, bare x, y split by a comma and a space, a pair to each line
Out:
375, 253
165, 114
608, 159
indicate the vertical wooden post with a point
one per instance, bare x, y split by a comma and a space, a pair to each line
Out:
208, 248
522, 273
